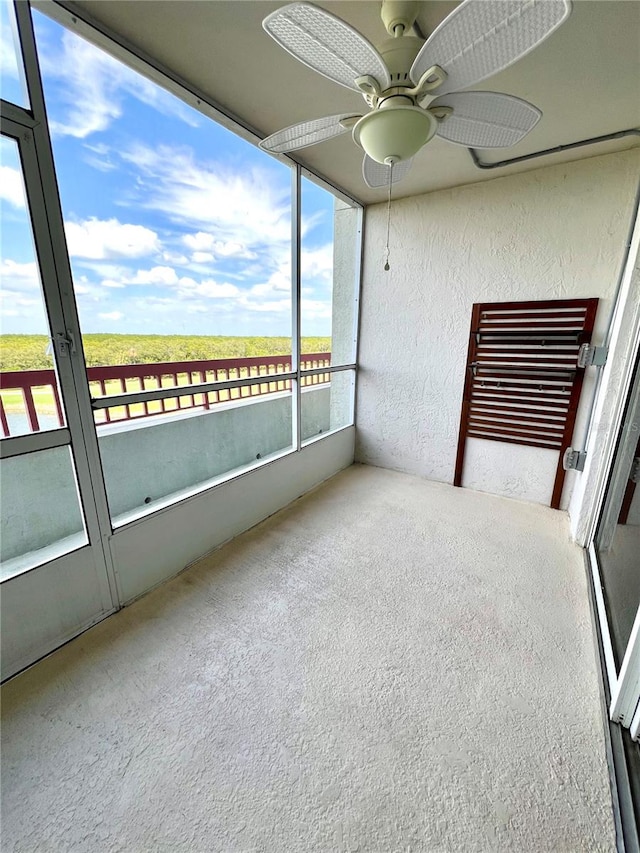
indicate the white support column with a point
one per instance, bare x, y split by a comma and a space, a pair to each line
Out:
296, 346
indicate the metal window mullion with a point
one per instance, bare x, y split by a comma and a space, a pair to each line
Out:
296, 344
626, 694
357, 283
20, 115
58, 292
34, 442
634, 728
601, 610
132, 397
330, 368
358, 308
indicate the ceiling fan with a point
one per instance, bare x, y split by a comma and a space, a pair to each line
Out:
412, 85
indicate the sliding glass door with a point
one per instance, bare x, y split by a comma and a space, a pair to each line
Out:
54, 566
617, 546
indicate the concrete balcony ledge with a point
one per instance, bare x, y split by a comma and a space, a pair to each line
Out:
31, 559
148, 464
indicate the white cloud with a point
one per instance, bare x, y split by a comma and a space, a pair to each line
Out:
100, 239
246, 210
89, 81
231, 249
15, 300
276, 306
11, 186
208, 288
99, 157
197, 308
93, 84
157, 275
315, 309
201, 242
175, 258
262, 290
317, 263
201, 257
216, 291
17, 276
22, 313
111, 315
82, 286
167, 278
316, 268
8, 49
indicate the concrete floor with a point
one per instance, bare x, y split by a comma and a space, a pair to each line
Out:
388, 665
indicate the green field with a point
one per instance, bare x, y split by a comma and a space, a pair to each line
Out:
29, 352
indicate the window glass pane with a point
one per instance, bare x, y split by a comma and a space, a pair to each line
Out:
155, 460
179, 234
40, 514
28, 384
618, 535
326, 403
13, 87
328, 272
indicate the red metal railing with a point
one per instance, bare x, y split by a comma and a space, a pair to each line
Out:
123, 378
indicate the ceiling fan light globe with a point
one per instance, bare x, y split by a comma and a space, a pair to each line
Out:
397, 133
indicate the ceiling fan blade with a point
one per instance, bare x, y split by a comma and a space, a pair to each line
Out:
485, 119
377, 174
307, 133
327, 44
481, 37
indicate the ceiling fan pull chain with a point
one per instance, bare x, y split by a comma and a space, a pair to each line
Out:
386, 248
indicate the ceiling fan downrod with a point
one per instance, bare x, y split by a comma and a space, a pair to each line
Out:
399, 16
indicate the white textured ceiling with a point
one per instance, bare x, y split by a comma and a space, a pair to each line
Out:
585, 78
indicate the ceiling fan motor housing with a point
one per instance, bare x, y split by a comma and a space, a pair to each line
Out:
398, 54
395, 131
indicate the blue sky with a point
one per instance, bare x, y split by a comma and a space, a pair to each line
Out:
174, 225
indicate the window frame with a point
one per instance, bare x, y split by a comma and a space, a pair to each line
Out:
103, 38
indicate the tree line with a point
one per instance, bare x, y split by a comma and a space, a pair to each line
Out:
33, 352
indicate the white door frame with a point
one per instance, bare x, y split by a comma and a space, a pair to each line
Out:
611, 448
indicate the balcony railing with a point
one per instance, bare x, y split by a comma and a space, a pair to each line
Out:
38, 396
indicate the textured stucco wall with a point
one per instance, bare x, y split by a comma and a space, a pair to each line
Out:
552, 233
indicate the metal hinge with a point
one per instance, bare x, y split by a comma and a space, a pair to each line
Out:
65, 344
573, 460
634, 476
590, 356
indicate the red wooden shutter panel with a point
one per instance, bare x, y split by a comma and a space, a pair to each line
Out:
523, 383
